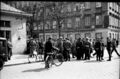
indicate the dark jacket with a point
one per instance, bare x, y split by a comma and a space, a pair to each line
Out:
48, 47
79, 45
109, 45
66, 45
87, 45
98, 45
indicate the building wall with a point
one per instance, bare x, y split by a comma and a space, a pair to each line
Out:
18, 29
93, 11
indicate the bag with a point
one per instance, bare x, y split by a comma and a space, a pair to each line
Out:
35, 52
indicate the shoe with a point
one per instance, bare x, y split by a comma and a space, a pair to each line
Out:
108, 60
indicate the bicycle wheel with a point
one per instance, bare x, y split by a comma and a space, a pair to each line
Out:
58, 59
49, 61
32, 58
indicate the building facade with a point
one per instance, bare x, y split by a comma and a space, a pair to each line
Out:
13, 27
85, 19
81, 19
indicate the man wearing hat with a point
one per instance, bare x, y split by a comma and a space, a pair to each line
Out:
87, 49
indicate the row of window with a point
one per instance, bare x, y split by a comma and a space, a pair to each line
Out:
4, 23
76, 7
113, 35
73, 36
79, 6
114, 6
113, 21
69, 23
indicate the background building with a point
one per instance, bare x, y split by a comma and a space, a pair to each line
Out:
13, 27
79, 19
87, 19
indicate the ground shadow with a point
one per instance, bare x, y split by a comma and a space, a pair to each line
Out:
35, 70
93, 61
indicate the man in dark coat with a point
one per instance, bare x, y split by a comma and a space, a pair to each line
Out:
87, 49
79, 49
109, 46
98, 49
114, 45
48, 47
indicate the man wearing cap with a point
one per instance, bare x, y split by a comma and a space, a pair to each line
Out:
87, 49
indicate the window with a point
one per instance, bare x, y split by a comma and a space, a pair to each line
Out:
74, 8
87, 21
78, 7
98, 19
4, 23
110, 35
77, 22
62, 36
47, 25
41, 37
54, 36
35, 28
54, 24
77, 36
98, 4
69, 8
69, 23
98, 35
68, 36
47, 36
110, 4
87, 5
40, 26
88, 35
63, 25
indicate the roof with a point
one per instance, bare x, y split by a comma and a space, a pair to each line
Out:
11, 10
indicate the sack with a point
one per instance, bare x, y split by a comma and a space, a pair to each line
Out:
35, 52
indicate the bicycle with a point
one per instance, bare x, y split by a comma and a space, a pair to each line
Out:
53, 58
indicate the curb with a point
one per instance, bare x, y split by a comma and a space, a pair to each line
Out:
21, 63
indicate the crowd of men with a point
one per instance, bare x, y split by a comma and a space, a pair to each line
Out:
81, 49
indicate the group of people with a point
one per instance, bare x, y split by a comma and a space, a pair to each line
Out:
81, 49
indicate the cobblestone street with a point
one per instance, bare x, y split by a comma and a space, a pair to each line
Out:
68, 70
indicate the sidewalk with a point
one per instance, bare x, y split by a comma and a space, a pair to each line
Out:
17, 60
23, 59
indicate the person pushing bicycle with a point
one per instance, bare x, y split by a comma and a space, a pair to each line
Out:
48, 49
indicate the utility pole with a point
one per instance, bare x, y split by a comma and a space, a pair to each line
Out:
43, 23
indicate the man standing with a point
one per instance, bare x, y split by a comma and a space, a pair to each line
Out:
87, 49
102, 49
9, 45
79, 49
48, 49
67, 49
114, 45
98, 49
109, 46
